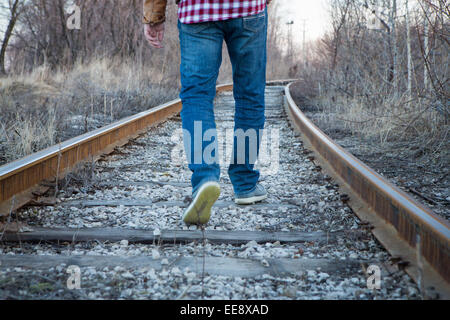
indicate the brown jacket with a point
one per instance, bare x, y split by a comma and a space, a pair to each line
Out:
155, 11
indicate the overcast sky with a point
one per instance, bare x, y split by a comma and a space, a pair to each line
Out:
314, 13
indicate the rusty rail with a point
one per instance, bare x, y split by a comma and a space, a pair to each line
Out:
405, 227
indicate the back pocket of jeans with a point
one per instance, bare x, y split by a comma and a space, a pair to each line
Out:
255, 23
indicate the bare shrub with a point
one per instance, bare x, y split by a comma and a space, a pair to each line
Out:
383, 84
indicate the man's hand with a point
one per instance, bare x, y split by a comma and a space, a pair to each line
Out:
154, 34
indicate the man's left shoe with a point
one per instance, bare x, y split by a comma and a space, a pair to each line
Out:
252, 197
199, 211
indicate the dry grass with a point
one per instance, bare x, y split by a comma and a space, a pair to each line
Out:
41, 108
412, 125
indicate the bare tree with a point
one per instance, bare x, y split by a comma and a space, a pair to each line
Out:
340, 10
426, 46
433, 29
408, 44
393, 39
14, 8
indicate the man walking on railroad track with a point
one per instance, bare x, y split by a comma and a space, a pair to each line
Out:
203, 26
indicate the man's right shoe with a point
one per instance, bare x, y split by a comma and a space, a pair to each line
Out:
252, 197
199, 211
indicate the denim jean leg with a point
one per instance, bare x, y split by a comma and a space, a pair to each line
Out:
201, 57
246, 41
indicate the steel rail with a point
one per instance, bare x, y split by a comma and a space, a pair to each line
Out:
405, 227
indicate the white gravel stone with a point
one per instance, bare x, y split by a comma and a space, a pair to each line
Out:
155, 254
176, 271
127, 275
251, 244
157, 232
265, 263
151, 274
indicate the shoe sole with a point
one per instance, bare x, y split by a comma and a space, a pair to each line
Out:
199, 211
251, 200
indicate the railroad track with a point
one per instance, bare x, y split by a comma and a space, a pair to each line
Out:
117, 227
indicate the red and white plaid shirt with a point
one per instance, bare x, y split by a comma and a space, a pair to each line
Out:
196, 11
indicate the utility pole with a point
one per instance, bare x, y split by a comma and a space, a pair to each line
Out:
304, 43
290, 45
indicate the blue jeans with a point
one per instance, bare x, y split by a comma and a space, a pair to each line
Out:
201, 58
